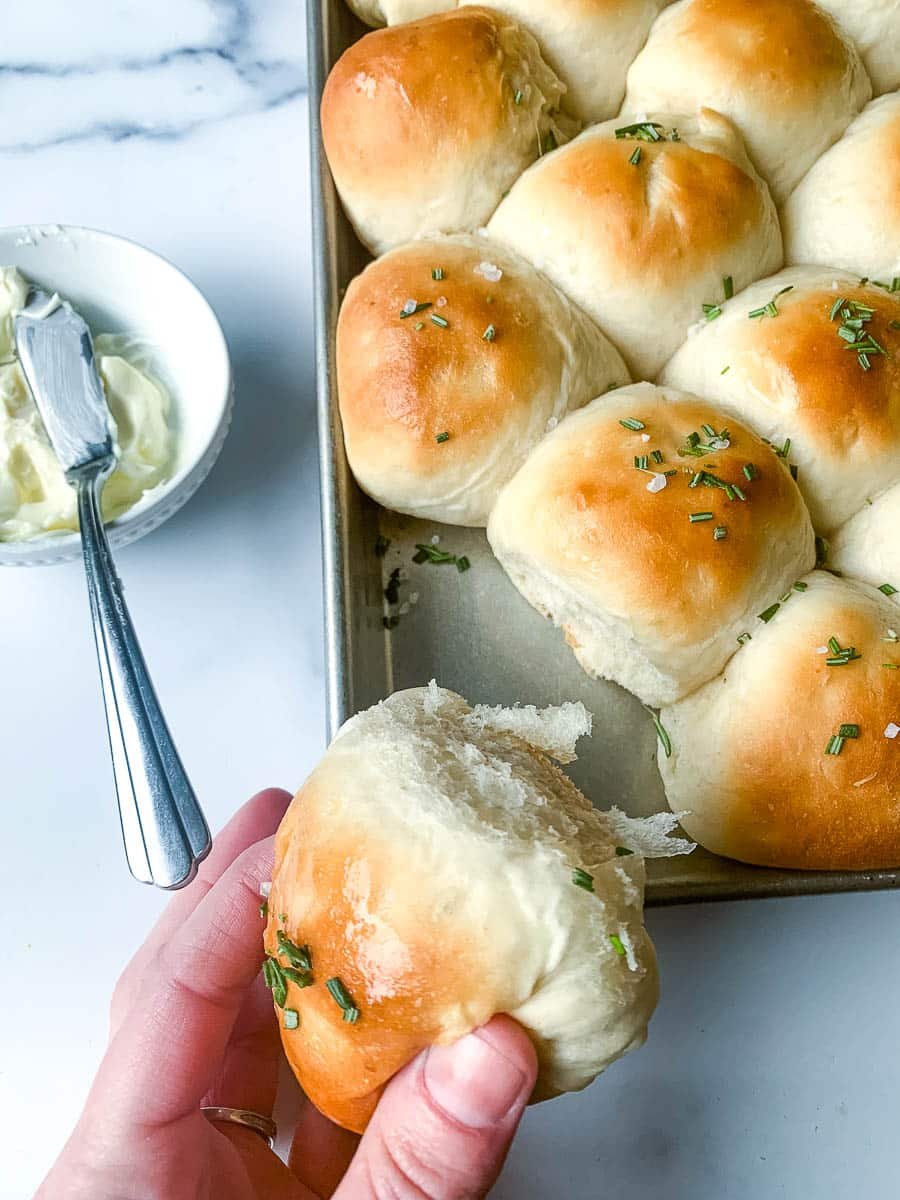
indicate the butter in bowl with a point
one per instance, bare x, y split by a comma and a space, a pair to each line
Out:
164, 365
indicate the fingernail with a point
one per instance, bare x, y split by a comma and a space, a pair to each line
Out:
472, 1081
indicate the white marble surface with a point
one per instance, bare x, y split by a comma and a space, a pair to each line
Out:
772, 1064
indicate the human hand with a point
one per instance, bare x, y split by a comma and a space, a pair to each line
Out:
192, 1025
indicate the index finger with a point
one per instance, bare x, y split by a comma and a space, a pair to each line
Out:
255, 820
163, 1057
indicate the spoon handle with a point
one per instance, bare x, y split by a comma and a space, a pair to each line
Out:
165, 832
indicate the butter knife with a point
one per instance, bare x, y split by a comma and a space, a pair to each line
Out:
163, 827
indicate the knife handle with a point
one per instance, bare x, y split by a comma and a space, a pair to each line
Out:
163, 827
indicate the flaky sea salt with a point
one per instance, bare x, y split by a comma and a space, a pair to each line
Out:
489, 271
657, 483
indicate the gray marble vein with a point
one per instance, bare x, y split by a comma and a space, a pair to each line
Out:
132, 70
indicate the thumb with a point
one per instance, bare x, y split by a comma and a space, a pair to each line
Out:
445, 1122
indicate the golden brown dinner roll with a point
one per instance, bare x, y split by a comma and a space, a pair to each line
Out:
846, 211
440, 407
640, 228
426, 125
791, 757
589, 44
808, 373
868, 546
435, 869
874, 25
652, 535
780, 69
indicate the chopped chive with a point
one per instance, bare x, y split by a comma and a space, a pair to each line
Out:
489, 334
437, 319
644, 131
888, 589
800, 586
382, 545
834, 645
419, 325
770, 309
632, 423
636, 156
835, 744
725, 370
443, 437
697, 479
431, 554
750, 471
848, 731
392, 591
661, 732
582, 879
462, 564
700, 516
836, 308
617, 944
297, 956
719, 533
406, 311
708, 430
291, 1018
795, 471
738, 491
343, 999
437, 273
622, 851
302, 979
642, 462
769, 613
711, 311
274, 980
785, 449
549, 143
517, 98
656, 455
891, 666
728, 287
744, 638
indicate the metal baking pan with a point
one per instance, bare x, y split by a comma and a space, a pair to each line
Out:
472, 631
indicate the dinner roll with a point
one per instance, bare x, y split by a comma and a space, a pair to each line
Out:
759, 769
868, 546
425, 875
874, 25
441, 407
652, 576
640, 232
426, 125
780, 69
589, 44
789, 373
396, 12
846, 211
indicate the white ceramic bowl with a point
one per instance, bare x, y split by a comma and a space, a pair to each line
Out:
121, 287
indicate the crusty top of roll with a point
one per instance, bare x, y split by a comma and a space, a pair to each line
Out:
513, 356
846, 211
640, 245
793, 376
874, 25
426, 124
780, 69
749, 761
428, 864
579, 514
867, 547
589, 44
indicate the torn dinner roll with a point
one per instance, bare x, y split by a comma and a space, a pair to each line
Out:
846, 211
426, 125
436, 868
651, 529
640, 223
782, 70
790, 758
454, 358
810, 359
